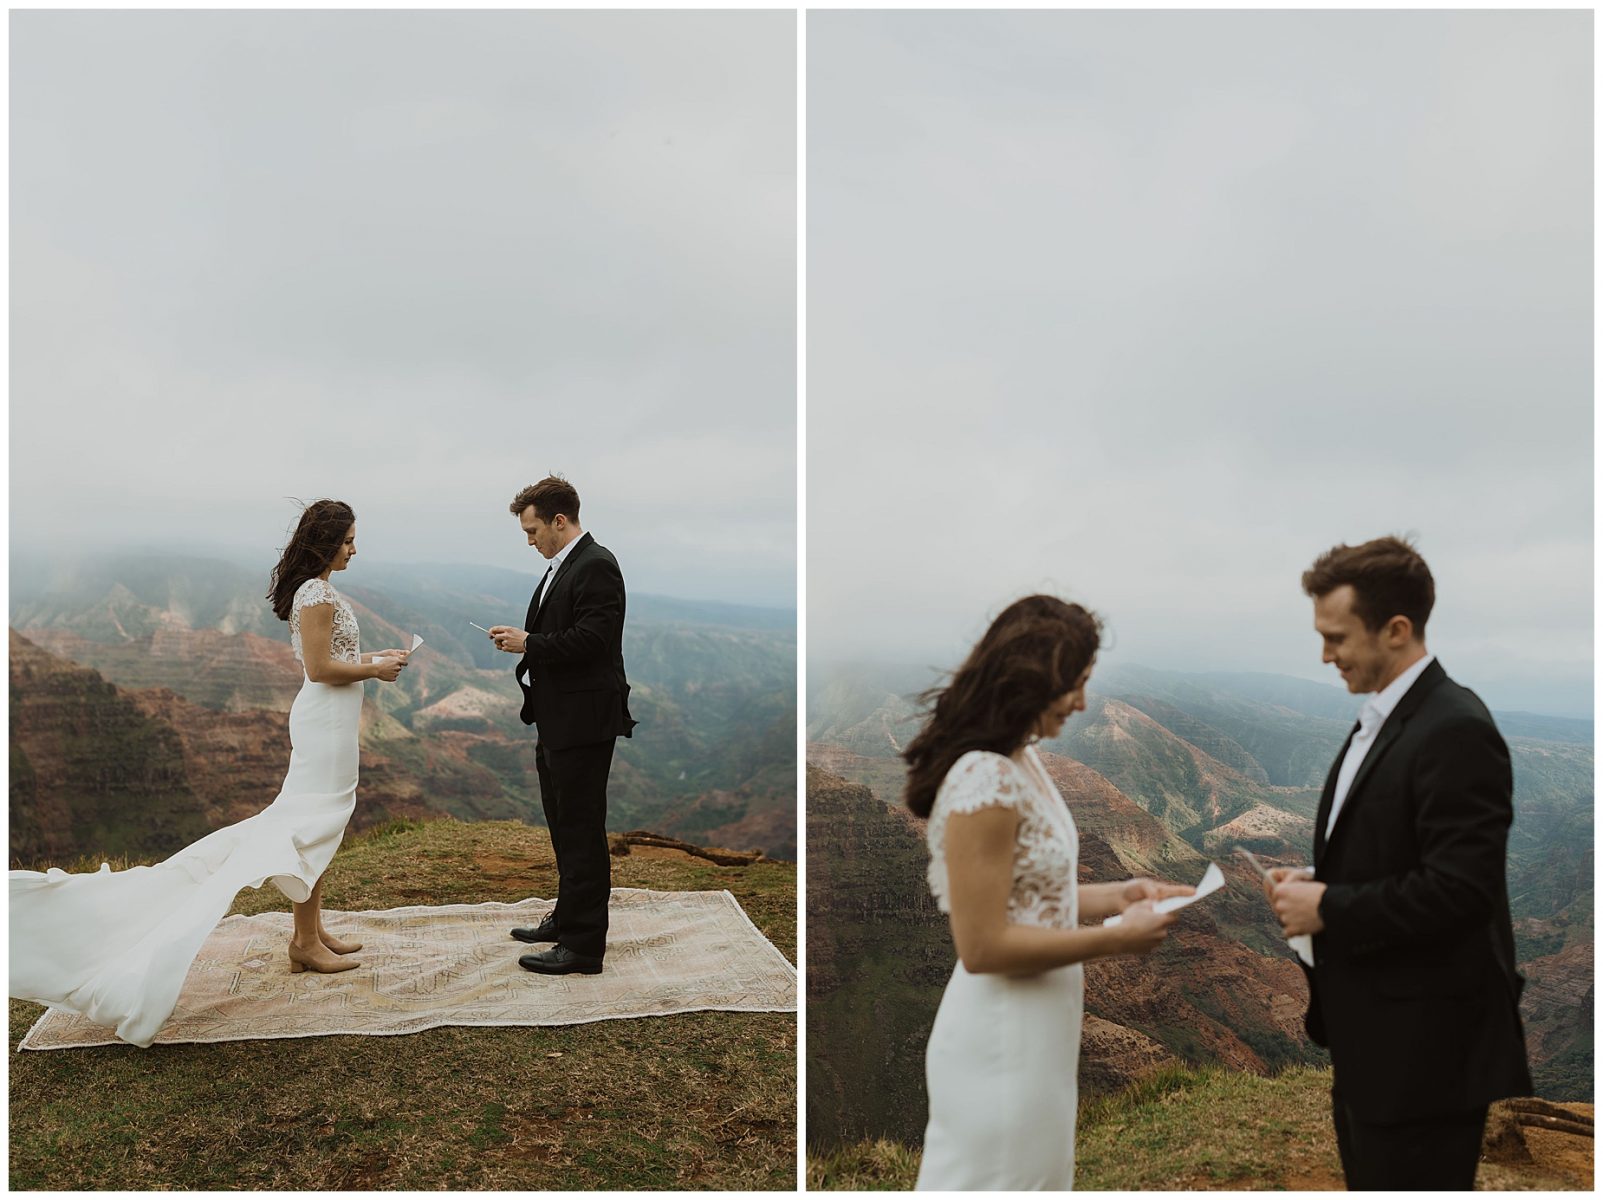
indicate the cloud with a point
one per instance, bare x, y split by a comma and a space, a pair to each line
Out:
415, 259
1153, 307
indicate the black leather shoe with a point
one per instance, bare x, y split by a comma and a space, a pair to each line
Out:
545, 931
559, 960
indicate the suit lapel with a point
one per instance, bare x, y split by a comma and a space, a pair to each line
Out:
535, 601
551, 584
1390, 731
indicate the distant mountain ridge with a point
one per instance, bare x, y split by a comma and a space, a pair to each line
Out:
713, 687
211, 593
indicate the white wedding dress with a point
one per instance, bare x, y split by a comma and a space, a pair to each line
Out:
1004, 1056
115, 945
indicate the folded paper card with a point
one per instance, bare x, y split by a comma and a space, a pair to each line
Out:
1212, 880
417, 640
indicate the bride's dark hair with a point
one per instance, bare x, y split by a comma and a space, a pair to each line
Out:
312, 547
1034, 652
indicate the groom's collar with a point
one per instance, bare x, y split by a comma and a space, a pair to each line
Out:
1383, 702
561, 555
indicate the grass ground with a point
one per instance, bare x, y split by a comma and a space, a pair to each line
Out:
1208, 1130
695, 1101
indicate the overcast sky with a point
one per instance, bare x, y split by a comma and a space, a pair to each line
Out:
1149, 309
413, 260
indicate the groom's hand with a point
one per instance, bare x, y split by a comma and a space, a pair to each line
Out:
1296, 903
1278, 876
508, 638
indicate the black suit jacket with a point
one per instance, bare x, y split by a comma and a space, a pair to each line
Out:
571, 672
1414, 988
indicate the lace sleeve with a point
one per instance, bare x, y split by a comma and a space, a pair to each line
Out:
344, 641
313, 591
980, 779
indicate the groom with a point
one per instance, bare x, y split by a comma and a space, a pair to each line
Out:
576, 697
1413, 986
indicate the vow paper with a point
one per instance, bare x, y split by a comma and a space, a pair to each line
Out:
417, 640
1212, 880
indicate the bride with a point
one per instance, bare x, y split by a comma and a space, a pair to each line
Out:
1004, 1053
115, 945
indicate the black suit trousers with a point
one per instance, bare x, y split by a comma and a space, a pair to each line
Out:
1435, 1155
573, 793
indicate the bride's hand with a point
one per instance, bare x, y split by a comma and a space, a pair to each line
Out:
400, 654
1137, 890
389, 670
1143, 928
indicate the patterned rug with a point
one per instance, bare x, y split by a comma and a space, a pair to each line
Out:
667, 952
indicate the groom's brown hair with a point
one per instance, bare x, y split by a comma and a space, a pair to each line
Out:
552, 495
1388, 577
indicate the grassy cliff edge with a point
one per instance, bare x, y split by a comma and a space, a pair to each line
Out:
694, 1101
1209, 1129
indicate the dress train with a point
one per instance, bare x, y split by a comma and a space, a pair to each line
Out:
115, 946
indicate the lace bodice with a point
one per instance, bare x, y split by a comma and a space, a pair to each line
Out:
347, 638
1047, 851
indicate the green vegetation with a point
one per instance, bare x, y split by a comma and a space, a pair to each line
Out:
880, 1165
1179, 1128
1183, 1129
696, 1101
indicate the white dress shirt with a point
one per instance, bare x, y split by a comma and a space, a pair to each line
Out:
1371, 717
553, 565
